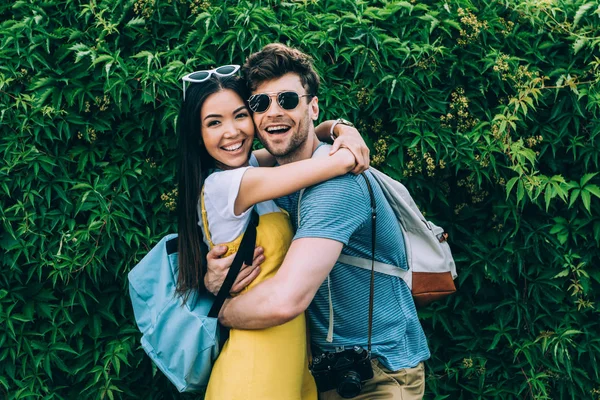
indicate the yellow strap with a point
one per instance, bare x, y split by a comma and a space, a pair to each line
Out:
330, 329
205, 219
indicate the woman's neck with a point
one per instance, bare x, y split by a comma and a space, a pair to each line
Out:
225, 167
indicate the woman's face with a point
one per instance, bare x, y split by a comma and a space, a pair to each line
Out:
227, 129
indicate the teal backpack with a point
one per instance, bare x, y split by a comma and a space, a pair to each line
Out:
183, 340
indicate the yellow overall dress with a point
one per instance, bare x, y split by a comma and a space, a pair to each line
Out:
266, 364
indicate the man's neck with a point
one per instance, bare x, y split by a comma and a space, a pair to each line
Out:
303, 152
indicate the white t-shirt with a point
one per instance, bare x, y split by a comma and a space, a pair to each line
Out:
220, 191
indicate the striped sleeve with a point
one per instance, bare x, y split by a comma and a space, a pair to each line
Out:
334, 209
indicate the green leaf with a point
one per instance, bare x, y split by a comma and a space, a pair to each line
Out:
520, 191
510, 185
579, 44
136, 21
562, 274
63, 347
593, 189
586, 178
574, 195
586, 198
581, 11
548, 196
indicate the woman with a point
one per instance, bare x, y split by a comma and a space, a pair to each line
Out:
218, 179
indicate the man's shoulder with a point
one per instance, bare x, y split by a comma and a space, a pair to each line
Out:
340, 185
334, 198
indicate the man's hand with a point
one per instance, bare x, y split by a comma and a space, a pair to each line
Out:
350, 138
219, 267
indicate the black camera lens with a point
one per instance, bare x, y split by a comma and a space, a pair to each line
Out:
349, 385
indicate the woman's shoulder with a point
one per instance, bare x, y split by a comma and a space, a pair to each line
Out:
221, 180
221, 189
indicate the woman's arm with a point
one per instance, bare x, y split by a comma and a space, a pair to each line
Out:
261, 184
264, 158
322, 130
346, 136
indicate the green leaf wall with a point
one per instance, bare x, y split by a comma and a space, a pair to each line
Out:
487, 111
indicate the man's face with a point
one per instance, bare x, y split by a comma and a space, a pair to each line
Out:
283, 131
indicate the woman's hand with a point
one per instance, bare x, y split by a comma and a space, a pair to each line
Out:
349, 138
217, 269
344, 158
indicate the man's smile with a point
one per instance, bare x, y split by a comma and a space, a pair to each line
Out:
277, 129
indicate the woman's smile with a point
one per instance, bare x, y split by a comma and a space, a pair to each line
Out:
233, 147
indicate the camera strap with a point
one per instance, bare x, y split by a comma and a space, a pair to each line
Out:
373, 241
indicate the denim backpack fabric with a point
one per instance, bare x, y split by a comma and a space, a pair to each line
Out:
180, 339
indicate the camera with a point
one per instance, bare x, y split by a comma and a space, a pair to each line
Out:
343, 370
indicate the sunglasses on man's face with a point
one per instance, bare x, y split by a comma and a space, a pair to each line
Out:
201, 76
260, 102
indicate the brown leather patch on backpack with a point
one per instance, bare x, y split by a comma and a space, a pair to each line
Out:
431, 286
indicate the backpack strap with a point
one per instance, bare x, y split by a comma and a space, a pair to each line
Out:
365, 263
245, 254
329, 337
205, 219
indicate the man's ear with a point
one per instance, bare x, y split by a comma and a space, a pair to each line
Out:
313, 108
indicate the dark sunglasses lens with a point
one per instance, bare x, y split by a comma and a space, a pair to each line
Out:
225, 69
259, 103
199, 76
288, 100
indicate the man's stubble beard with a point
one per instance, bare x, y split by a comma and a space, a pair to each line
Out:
295, 145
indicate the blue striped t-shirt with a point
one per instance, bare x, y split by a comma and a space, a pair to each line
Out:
339, 209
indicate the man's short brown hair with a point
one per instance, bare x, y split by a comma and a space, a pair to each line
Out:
276, 60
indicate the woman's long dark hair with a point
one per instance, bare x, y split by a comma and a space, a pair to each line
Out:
194, 165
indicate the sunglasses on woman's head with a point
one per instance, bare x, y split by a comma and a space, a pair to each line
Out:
201, 76
260, 102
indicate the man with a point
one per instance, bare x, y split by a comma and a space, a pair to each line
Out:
335, 218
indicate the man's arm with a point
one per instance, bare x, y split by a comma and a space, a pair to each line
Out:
286, 295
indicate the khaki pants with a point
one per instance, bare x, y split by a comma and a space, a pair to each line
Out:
405, 384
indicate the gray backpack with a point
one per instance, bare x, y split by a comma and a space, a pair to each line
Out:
431, 268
